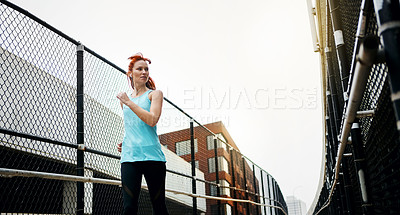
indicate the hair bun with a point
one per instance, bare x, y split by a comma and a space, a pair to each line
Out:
138, 56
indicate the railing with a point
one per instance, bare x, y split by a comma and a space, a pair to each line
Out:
360, 69
60, 123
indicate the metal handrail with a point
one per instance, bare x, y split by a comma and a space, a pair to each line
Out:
4, 172
87, 149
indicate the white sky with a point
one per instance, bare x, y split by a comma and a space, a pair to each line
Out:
252, 61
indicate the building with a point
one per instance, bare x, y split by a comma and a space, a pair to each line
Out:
231, 165
295, 206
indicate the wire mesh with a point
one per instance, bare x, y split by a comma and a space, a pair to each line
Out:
37, 88
379, 133
37, 97
103, 125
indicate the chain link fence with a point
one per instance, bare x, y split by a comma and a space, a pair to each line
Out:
364, 177
58, 155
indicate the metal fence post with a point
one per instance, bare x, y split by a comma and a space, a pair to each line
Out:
340, 190
263, 191
276, 197
245, 186
80, 131
216, 174
359, 161
340, 46
233, 181
193, 160
347, 187
269, 194
255, 189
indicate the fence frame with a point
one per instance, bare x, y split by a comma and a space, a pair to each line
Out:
82, 148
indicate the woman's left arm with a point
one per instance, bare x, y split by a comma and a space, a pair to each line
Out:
149, 117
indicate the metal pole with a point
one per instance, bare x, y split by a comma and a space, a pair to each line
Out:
333, 102
388, 18
245, 186
359, 161
80, 131
363, 20
347, 188
193, 160
340, 47
269, 193
275, 194
233, 181
330, 121
341, 194
311, 16
216, 173
257, 199
336, 107
263, 192
330, 149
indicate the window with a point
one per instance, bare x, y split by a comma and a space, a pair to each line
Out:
228, 209
196, 164
222, 165
210, 142
213, 189
224, 191
183, 147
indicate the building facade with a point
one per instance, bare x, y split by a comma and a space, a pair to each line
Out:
233, 169
295, 206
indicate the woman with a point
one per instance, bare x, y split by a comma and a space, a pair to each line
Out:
141, 150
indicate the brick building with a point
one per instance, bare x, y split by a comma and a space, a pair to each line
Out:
229, 161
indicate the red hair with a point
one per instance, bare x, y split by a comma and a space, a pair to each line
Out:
135, 58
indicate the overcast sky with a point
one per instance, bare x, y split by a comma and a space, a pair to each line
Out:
248, 63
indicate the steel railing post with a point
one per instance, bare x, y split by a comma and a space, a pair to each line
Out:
193, 162
233, 180
216, 173
80, 162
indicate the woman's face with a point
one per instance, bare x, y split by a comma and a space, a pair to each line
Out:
140, 72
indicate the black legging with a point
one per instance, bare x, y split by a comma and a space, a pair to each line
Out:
131, 177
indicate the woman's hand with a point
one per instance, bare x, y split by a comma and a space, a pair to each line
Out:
119, 147
123, 97
149, 117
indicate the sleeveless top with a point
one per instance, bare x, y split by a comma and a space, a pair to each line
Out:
141, 142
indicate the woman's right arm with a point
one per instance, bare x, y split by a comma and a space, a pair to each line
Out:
149, 117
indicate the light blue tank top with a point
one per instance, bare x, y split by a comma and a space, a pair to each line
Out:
141, 142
